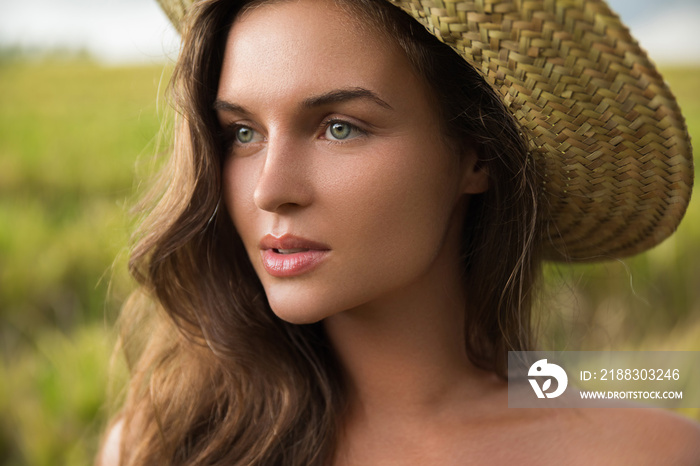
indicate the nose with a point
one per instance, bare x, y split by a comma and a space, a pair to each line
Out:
284, 179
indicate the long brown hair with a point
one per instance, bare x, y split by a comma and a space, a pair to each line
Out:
216, 377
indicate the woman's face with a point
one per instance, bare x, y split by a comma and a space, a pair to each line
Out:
337, 178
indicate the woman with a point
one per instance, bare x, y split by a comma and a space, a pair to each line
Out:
349, 234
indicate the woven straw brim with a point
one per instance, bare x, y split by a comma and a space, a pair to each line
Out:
615, 152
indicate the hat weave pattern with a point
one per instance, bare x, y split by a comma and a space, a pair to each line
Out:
616, 152
604, 128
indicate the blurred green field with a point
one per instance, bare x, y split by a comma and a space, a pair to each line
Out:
72, 138
72, 135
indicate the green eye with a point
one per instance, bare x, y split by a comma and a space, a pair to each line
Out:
340, 130
244, 135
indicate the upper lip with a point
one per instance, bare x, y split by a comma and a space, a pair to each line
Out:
289, 241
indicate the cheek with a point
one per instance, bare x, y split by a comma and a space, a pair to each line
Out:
238, 189
398, 205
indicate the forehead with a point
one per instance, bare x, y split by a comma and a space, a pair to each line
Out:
303, 45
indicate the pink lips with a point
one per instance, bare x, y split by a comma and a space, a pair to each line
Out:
289, 256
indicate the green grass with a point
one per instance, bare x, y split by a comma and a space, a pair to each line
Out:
71, 137
54, 405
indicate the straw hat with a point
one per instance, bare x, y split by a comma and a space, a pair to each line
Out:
601, 121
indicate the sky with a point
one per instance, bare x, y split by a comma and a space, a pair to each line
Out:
127, 31
114, 31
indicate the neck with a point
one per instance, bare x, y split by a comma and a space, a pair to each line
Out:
404, 355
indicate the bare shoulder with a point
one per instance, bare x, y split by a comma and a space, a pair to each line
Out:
109, 452
641, 436
602, 436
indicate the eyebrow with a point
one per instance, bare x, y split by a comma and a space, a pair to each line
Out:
343, 95
222, 105
334, 96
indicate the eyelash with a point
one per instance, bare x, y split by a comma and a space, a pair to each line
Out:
230, 140
229, 135
329, 122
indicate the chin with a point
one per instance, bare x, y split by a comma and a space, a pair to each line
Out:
295, 309
297, 316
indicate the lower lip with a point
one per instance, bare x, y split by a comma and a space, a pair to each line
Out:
291, 265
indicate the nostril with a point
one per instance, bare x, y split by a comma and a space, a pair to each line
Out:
281, 192
284, 180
